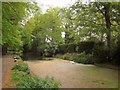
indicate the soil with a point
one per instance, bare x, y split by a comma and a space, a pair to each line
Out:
74, 75
70, 75
7, 65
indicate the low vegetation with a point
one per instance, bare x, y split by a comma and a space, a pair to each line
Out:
25, 80
79, 58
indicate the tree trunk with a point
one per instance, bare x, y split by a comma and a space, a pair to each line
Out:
108, 24
4, 49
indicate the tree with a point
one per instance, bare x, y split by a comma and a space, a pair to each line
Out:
44, 33
13, 14
95, 20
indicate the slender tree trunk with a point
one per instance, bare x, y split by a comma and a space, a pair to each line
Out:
108, 24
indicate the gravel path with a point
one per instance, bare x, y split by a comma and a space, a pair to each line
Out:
73, 75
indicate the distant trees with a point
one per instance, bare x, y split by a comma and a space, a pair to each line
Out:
26, 28
45, 30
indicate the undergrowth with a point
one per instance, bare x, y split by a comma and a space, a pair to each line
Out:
24, 80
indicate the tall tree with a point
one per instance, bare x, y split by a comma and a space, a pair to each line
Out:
13, 13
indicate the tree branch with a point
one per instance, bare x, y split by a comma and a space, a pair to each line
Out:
100, 10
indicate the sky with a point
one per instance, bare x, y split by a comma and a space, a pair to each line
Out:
44, 4
54, 3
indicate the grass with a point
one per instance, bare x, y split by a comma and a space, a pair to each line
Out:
24, 80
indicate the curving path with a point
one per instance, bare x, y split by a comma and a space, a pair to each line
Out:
7, 65
73, 75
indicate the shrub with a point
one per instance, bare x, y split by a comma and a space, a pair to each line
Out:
83, 58
79, 58
71, 48
66, 56
62, 49
26, 81
85, 46
101, 54
22, 67
67, 48
59, 56
116, 54
17, 56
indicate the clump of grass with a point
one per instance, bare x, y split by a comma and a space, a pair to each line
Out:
25, 81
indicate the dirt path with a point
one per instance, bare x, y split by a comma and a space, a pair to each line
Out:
7, 65
75, 75
0, 72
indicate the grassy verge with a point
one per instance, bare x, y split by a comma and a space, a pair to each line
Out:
24, 80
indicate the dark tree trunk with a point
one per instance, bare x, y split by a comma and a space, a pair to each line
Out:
108, 24
106, 13
4, 49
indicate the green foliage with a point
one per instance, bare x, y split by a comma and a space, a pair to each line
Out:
71, 48
66, 56
116, 56
83, 58
83, 25
22, 67
17, 55
79, 58
79, 47
13, 14
25, 81
62, 48
59, 56
101, 54
85, 46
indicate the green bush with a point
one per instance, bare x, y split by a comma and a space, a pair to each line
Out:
83, 58
77, 48
66, 56
115, 54
101, 54
62, 49
85, 46
71, 48
79, 58
59, 56
17, 56
25, 81
22, 67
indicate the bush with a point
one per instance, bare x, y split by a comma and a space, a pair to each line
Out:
79, 58
26, 81
71, 48
22, 67
62, 49
59, 56
66, 56
83, 58
85, 46
67, 48
101, 54
17, 55
115, 54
